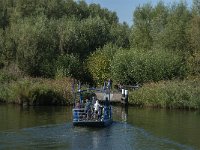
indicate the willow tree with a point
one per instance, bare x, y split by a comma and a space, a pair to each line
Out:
196, 6
158, 23
140, 35
119, 34
82, 37
5, 11
36, 47
175, 33
1, 48
194, 38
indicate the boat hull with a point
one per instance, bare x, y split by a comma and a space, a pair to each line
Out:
104, 123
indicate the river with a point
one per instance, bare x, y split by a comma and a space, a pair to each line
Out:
133, 129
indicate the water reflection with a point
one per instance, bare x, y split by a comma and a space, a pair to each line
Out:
65, 136
144, 129
124, 112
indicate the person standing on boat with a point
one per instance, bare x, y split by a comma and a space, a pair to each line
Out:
106, 103
93, 100
88, 109
109, 84
97, 110
78, 105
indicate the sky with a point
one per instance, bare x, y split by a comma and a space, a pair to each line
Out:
125, 8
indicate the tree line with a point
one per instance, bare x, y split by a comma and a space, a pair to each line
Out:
58, 38
164, 45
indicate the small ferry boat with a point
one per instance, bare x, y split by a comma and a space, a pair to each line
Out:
90, 112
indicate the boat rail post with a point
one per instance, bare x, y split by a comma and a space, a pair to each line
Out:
73, 93
109, 91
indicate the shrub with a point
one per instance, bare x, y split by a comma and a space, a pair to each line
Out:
140, 66
46, 97
99, 63
6, 78
37, 91
171, 94
68, 66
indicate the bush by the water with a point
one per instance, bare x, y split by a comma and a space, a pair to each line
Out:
132, 66
37, 91
168, 94
80, 40
46, 97
5, 77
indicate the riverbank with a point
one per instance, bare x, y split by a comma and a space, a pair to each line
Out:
35, 91
177, 94
173, 94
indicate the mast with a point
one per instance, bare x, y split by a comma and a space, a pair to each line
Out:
109, 84
80, 92
73, 92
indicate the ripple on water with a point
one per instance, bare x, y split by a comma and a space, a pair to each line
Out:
119, 136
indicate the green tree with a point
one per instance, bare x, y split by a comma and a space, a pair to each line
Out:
69, 66
50, 8
68, 35
82, 37
196, 6
120, 35
194, 37
1, 48
194, 34
132, 66
96, 10
159, 20
36, 48
140, 35
26, 7
96, 32
82, 10
55, 9
9, 48
1, 41
99, 63
5, 12
174, 35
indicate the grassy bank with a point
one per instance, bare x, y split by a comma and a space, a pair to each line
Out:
168, 94
35, 91
173, 94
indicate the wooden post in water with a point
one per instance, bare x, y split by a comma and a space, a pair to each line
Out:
126, 97
123, 93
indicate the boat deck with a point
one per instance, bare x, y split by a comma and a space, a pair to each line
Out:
80, 118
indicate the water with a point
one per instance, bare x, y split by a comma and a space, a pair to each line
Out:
139, 129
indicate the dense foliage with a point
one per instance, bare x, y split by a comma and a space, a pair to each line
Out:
99, 63
164, 45
35, 91
35, 34
136, 66
177, 94
67, 38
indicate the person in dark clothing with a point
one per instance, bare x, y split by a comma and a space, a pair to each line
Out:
110, 83
106, 102
88, 109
